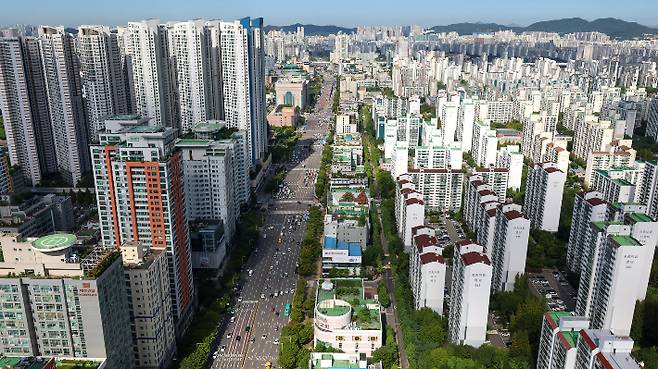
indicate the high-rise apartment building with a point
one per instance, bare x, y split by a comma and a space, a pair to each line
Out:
543, 196
558, 340
24, 106
104, 87
470, 289
192, 54
427, 270
510, 246
648, 188
67, 115
243, 79
604, 349
588, 207
140, 194
147, 50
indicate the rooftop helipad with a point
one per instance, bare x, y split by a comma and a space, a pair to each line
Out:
54, 242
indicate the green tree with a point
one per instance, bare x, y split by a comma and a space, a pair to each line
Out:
520, 348
382, 293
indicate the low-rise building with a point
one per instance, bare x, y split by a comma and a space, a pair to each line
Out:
347, 317
340, 257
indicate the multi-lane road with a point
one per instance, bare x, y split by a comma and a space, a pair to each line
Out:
249, 337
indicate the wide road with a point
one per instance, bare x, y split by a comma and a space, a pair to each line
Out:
249, 338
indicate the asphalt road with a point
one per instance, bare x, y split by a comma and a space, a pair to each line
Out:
248, 337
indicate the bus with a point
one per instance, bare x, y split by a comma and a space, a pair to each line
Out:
286, 312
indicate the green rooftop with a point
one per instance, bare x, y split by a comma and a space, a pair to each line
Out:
351, 291
9, 361
54, 242
192, 142
603, 224
625, 241
571, 337
640, 217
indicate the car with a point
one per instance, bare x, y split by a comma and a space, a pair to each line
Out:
276, 341
238, 338
247, 329
232, 318
264, 336
276, 294
223, 348
252, 340
229, 335
262, 295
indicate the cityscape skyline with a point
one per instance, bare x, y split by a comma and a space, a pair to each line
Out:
513, 13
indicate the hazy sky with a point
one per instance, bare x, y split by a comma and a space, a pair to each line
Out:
337, 12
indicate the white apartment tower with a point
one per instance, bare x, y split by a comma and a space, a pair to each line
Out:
152, 77
67, 115
103, 84
242, 57
588, 207
510, 246
543, 197
24, 105
470, 289
189, 47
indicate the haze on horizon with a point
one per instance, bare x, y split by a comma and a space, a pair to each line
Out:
347, 13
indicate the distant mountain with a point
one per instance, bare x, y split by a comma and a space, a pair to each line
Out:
613, 27
312, 29
470, 28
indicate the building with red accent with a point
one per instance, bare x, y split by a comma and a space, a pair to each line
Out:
140, 196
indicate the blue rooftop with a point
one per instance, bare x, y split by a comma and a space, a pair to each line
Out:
354, 249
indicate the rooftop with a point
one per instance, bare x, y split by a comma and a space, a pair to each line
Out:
330, 243
192, 142
54, 242
351, 291
625, 241
640, 217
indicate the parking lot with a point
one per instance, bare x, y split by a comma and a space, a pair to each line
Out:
553, 286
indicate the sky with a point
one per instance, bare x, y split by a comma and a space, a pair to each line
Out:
348, 13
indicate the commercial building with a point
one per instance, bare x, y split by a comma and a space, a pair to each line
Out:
347, 229
336, 323
292, 92
152, 323
141, 197
558, 340
470, 289
56, 303
543, 196
340, 257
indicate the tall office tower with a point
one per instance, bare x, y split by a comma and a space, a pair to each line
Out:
588, 207
558, 338
242, 57
103, 85
154, 88
648, 189
140, 196
543, 196
470, 289
147, 284
510, 246
67, 115
60, 305
604, 349
191, 54
24, 106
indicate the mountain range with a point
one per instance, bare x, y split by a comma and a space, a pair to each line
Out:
312, 29
615, 28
